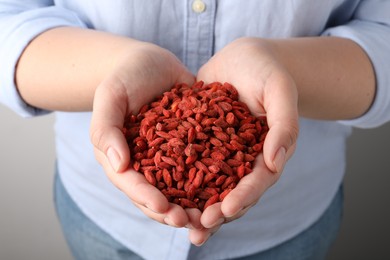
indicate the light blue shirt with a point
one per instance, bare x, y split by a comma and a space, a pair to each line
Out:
311, 177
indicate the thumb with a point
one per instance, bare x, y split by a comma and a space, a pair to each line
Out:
109, 111
281, 106
279, 145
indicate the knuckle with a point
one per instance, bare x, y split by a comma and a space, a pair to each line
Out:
97, 138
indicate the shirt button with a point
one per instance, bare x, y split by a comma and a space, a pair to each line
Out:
198, 6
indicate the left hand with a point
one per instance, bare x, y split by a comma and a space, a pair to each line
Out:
264, 84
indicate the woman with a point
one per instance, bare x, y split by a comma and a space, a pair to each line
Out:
317, 67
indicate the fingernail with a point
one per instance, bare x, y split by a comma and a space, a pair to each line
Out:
204, 241
218, 222
234, 213
189, 226
280, 159
169, 222
113, 158
150, 208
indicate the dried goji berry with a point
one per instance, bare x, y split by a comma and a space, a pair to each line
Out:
195, 143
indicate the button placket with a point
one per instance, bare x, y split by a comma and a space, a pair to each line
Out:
199, 34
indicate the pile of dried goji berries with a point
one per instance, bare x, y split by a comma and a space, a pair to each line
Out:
194, 143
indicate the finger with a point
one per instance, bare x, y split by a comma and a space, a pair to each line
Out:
109, 111
135, 186
281, 106
199, 237
212, 216
248, 191
175, 216
238, 215
193, 218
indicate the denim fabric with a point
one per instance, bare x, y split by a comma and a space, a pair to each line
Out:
88, 241
314, 242
85, 239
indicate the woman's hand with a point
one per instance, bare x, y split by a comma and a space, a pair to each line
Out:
266, 87
141, 74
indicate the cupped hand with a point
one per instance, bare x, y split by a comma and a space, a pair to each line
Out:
252, 66
139, 75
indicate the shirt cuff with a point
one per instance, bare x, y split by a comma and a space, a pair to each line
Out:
374, 38
16, 32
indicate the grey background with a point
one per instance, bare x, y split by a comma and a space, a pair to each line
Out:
30, 230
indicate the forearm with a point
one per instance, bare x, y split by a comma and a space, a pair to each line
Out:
334, 76
61, 68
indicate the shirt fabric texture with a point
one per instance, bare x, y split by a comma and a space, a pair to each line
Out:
310, 179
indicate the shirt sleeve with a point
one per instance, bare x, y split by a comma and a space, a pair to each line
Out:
370, 28
20, 22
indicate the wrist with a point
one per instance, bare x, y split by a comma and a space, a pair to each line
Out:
328, 71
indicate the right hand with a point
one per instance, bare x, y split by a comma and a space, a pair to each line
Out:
142, 73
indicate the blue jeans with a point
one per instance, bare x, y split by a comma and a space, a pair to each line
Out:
87, 241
